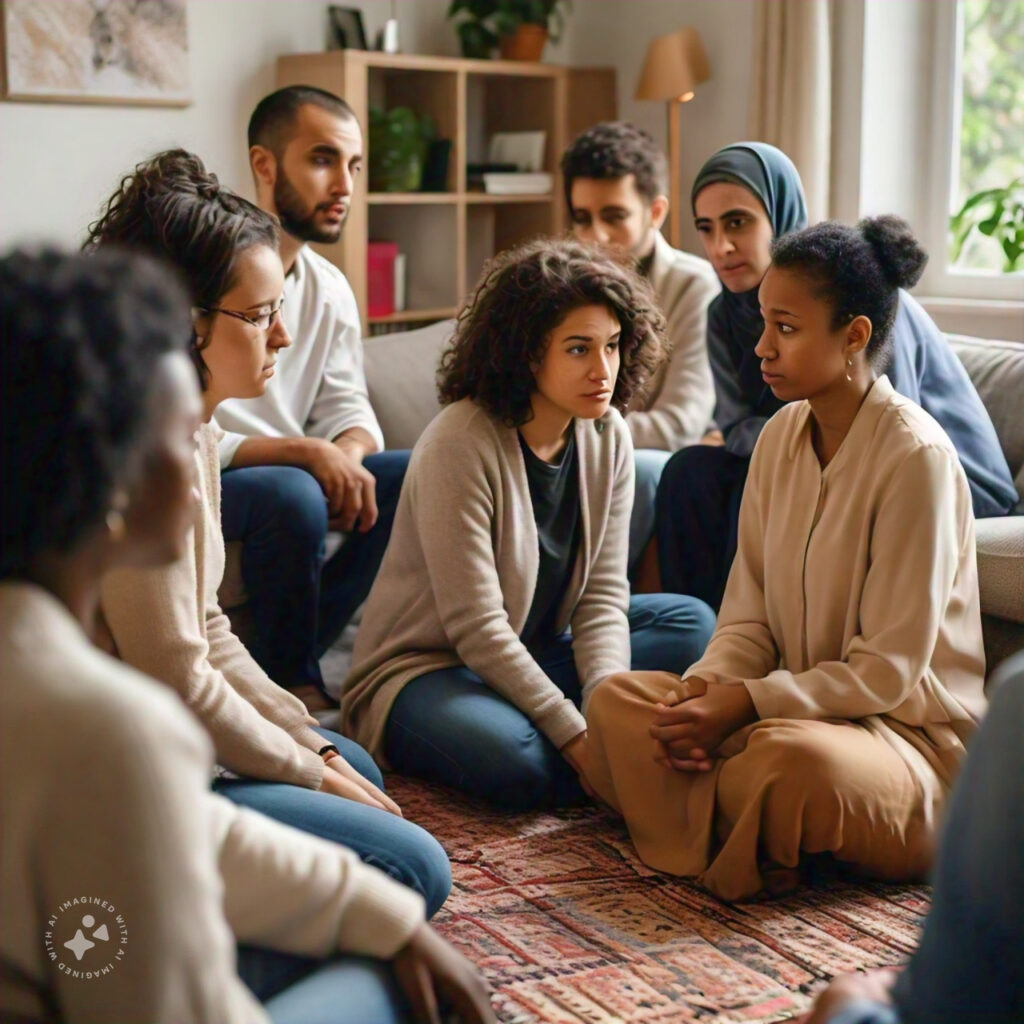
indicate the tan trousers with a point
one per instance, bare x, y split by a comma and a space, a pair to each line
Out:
780, 787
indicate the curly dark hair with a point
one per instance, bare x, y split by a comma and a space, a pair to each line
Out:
81, 336
857, 271
172, 207
613, 149
522, 295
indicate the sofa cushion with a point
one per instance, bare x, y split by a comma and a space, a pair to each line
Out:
1001, 566
997, 370
400, 377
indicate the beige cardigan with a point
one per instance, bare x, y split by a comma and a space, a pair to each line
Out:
459, 574
167, 623
104, 784
854, 592
680, 401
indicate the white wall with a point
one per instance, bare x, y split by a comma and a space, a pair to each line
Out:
58, 162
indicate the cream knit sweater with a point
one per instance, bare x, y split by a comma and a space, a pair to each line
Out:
104, 785
457, 581
167, 623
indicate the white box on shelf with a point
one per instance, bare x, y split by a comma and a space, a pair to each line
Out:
520, 183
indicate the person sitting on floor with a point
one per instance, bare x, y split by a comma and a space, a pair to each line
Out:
166, 621
126, 883
745, 195
830, 711
511, 530
616, 188
968, 965
306, 456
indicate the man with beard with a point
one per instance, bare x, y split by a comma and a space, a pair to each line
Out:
616, 188
307, 457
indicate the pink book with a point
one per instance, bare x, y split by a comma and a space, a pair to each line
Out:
380, 278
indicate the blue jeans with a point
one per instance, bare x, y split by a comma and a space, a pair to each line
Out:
343, 990
299, 603
450, 727
649, 463
399, 848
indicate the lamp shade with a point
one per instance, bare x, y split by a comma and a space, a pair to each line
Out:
674, 66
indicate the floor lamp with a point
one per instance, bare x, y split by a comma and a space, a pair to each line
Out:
674, 66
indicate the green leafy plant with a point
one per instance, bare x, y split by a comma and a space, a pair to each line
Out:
487, 21
997, 213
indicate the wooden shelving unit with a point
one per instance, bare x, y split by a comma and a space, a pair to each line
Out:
447, 236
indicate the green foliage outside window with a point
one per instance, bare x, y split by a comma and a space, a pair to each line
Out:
987, 231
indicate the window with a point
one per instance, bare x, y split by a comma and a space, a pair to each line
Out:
987, 180
977, 145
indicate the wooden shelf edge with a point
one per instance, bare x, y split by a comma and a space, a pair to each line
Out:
483, 198
412, 315
412, 198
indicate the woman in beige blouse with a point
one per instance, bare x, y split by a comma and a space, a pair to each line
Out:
830, 711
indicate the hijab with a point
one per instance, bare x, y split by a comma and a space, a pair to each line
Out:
734, 319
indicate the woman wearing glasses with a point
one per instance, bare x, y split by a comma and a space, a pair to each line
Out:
167, 621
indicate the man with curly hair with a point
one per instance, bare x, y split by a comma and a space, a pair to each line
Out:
616, 188
307, 456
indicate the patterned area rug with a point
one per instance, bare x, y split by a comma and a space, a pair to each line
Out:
571, 928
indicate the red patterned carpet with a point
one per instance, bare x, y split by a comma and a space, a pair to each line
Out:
571, 928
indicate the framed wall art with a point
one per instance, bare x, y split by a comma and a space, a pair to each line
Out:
96, 51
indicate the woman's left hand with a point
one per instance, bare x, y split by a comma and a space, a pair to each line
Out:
691, 727
338, 764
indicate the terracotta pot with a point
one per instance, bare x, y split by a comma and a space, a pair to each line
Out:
526, 43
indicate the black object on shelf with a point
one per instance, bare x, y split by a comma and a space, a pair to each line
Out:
435, 167
475, 172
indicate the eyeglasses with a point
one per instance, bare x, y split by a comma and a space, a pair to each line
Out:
263, 321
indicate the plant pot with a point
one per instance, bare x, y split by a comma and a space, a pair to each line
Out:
526, 43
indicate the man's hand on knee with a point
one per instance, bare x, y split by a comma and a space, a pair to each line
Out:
350, 488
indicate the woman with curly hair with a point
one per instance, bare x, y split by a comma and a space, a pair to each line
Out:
830, 712
502, 600
167, 622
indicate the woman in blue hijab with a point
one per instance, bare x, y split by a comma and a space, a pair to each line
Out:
746, 195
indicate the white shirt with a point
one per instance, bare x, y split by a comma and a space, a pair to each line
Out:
319, 387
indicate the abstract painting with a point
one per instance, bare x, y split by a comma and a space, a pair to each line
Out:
96, 51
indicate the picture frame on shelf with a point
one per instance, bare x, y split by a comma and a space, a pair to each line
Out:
77, 51
347, 32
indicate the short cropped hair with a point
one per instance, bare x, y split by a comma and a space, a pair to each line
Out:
858, 271
275, 114
521, 297
614, 149
81, 335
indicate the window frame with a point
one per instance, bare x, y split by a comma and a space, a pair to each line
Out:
940, 278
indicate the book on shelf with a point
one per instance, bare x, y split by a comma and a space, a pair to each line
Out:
518, 183
380, 278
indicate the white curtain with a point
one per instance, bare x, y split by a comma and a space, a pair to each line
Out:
791, 90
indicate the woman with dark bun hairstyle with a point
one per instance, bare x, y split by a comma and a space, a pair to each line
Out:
502, 600
830, 711
744, 196
167, 622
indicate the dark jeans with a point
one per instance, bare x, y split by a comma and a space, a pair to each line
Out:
300, 604
450, 727
697, 512
406, 852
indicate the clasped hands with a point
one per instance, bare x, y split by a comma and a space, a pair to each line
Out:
690, 723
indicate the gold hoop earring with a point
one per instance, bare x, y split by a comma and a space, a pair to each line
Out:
849, 364
115, 524
114, 519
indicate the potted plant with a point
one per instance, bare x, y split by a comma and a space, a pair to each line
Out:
519, 28
997, 213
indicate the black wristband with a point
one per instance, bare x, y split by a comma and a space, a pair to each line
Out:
330, 746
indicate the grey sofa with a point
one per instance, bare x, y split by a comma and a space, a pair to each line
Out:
400, 376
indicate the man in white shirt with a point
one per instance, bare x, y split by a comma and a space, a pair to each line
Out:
307, 455
616, 187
